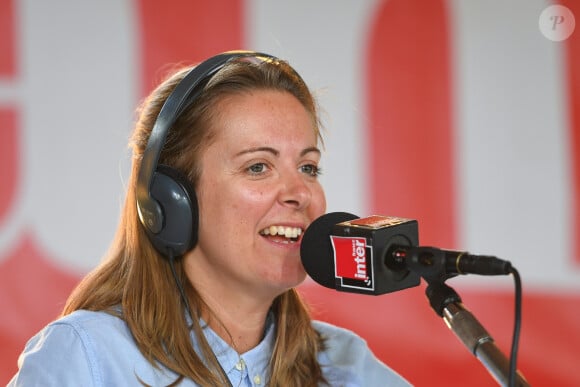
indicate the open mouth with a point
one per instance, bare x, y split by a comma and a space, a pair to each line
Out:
282, 234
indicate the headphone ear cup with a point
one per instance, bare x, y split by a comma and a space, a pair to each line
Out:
178, 201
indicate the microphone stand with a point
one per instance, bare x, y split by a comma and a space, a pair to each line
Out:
430, 264
447, 304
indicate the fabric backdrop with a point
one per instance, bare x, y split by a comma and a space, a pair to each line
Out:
464, 115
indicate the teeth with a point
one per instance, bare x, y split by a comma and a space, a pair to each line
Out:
287, 232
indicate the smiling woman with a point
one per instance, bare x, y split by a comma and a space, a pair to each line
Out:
198, 287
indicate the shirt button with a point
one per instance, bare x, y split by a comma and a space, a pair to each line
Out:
257, 379
240, 365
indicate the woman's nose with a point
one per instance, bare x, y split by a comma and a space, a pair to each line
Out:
295, 191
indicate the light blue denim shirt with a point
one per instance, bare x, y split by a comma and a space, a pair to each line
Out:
97, 349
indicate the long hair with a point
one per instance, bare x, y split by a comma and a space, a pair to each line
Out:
136, 283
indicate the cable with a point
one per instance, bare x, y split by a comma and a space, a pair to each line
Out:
178, 282
517, 326
184, 298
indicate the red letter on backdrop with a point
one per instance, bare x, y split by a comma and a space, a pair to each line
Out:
185, 31
572, 49
409, 85
8, 117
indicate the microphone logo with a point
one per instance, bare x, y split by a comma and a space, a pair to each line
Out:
353, 262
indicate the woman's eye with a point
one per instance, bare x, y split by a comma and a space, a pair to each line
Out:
257, 168
311, 169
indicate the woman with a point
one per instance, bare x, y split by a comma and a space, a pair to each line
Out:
223, 309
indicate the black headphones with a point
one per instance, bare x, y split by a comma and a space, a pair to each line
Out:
166, 201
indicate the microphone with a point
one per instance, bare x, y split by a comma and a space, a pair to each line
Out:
381, 254
343, 252
435, 263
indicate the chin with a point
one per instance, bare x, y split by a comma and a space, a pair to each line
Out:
288, 280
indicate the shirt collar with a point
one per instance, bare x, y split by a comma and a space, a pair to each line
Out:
253, 362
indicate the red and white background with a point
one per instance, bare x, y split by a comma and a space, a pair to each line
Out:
461, 114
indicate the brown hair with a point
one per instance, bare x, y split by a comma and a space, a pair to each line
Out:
137, 280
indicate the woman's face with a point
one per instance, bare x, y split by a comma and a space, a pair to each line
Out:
258, 191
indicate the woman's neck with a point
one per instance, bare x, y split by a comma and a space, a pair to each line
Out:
240, 325
236, 311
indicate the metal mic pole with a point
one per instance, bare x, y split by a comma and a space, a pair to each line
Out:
447, 304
